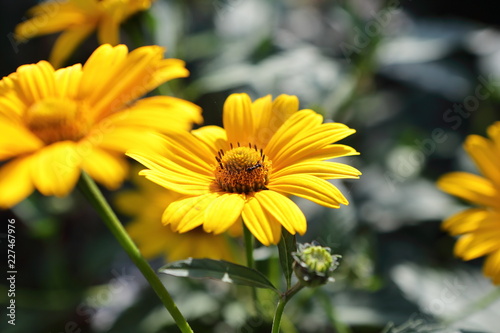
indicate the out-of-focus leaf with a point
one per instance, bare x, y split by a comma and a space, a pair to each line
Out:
218, 270
286, 246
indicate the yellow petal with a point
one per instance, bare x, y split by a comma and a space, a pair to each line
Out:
491, 267
16, 140
187, 151
309, 187
306, 143
167, 69
214, 137
178, 182
131, 202
68, 81
161, 113
294, 126
123, 139
12, 105
494, 133
324, 170
86, 6
207, 246
67, 42
15, 181
186, 214
486, 156
151, 240
104, 60
104, 167
178, 158
238, 119
36, 81
469, 220
223, 212
470, 187
329, 152
262, 113
270, 115
284, 210
50, 17
108, 31
283, 107
55, 169
261, 224
128, 79
472, 246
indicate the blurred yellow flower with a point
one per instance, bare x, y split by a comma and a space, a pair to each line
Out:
146, 205
479, 227
56, 123
78, 19
266, 151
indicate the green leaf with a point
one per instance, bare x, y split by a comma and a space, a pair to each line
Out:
286, 246
218, 270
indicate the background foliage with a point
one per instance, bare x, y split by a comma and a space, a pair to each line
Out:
405, 74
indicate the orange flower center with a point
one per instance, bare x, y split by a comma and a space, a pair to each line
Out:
53, 119
242, 169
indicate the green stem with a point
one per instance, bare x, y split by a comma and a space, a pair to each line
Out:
249, 245
281, 306
95, 197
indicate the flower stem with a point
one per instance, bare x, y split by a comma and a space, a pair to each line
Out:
97, 200
281, 306
249, 245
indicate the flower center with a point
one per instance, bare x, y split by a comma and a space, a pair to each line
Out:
54, 119
242, 169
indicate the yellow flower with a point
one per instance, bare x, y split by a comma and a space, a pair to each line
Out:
56, 123
78, 19
266, 151
146, 205
480, 226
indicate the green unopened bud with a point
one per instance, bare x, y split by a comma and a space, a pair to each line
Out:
314, 264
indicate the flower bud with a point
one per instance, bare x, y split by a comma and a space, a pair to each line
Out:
314, 264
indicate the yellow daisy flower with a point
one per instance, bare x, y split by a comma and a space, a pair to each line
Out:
146, 205
54, 123
267, 151
78, 19
480, 226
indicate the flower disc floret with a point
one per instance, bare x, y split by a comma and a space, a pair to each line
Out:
56, 119
242, 170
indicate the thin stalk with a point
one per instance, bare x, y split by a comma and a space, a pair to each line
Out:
281, 306
97, 200
249, 245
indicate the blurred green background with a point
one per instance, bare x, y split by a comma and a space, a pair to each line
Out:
412, 77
